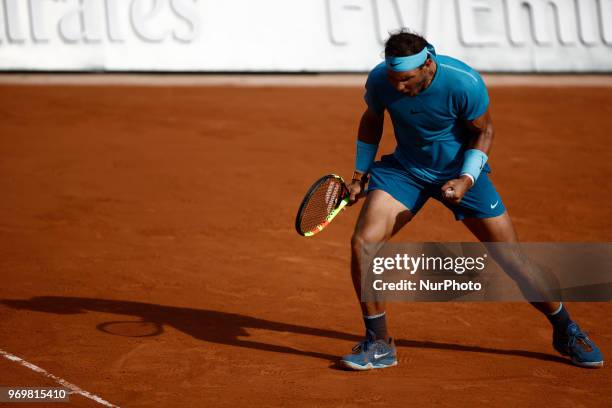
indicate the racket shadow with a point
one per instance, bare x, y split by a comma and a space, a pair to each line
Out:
226, 328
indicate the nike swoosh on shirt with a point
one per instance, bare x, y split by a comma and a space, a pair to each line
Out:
494, 205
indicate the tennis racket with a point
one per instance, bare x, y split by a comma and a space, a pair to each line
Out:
323, 201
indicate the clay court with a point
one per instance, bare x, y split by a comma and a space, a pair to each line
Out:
148, 253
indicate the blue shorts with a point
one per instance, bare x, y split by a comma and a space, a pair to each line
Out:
481, 201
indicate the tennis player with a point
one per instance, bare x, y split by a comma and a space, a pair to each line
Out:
439, 108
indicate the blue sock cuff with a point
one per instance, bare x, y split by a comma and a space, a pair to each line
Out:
558, 310
560, 318
375, 316
376, 324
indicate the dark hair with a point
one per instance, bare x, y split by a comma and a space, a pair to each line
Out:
403, 43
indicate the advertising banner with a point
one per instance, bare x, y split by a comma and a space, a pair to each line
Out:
300, 35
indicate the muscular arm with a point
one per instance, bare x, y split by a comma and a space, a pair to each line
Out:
371, 127
482, 132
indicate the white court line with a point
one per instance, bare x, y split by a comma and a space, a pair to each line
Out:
73, 388
272, 80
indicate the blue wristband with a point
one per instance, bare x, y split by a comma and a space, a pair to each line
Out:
365, 156
473, 163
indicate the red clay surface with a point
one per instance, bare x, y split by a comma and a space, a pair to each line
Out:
168, 212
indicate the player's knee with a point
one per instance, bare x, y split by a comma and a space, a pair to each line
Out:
364, 243
357, 242
514, 261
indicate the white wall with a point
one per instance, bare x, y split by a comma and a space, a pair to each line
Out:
299, 35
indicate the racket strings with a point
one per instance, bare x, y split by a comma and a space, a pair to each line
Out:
321, 204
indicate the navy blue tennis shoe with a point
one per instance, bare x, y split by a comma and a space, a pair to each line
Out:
371, 353
574, 343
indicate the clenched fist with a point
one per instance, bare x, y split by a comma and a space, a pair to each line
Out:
454, 190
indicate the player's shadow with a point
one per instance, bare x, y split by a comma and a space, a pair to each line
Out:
227, 328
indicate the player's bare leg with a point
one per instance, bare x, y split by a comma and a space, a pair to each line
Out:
381, 217
501, 229
568, 339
